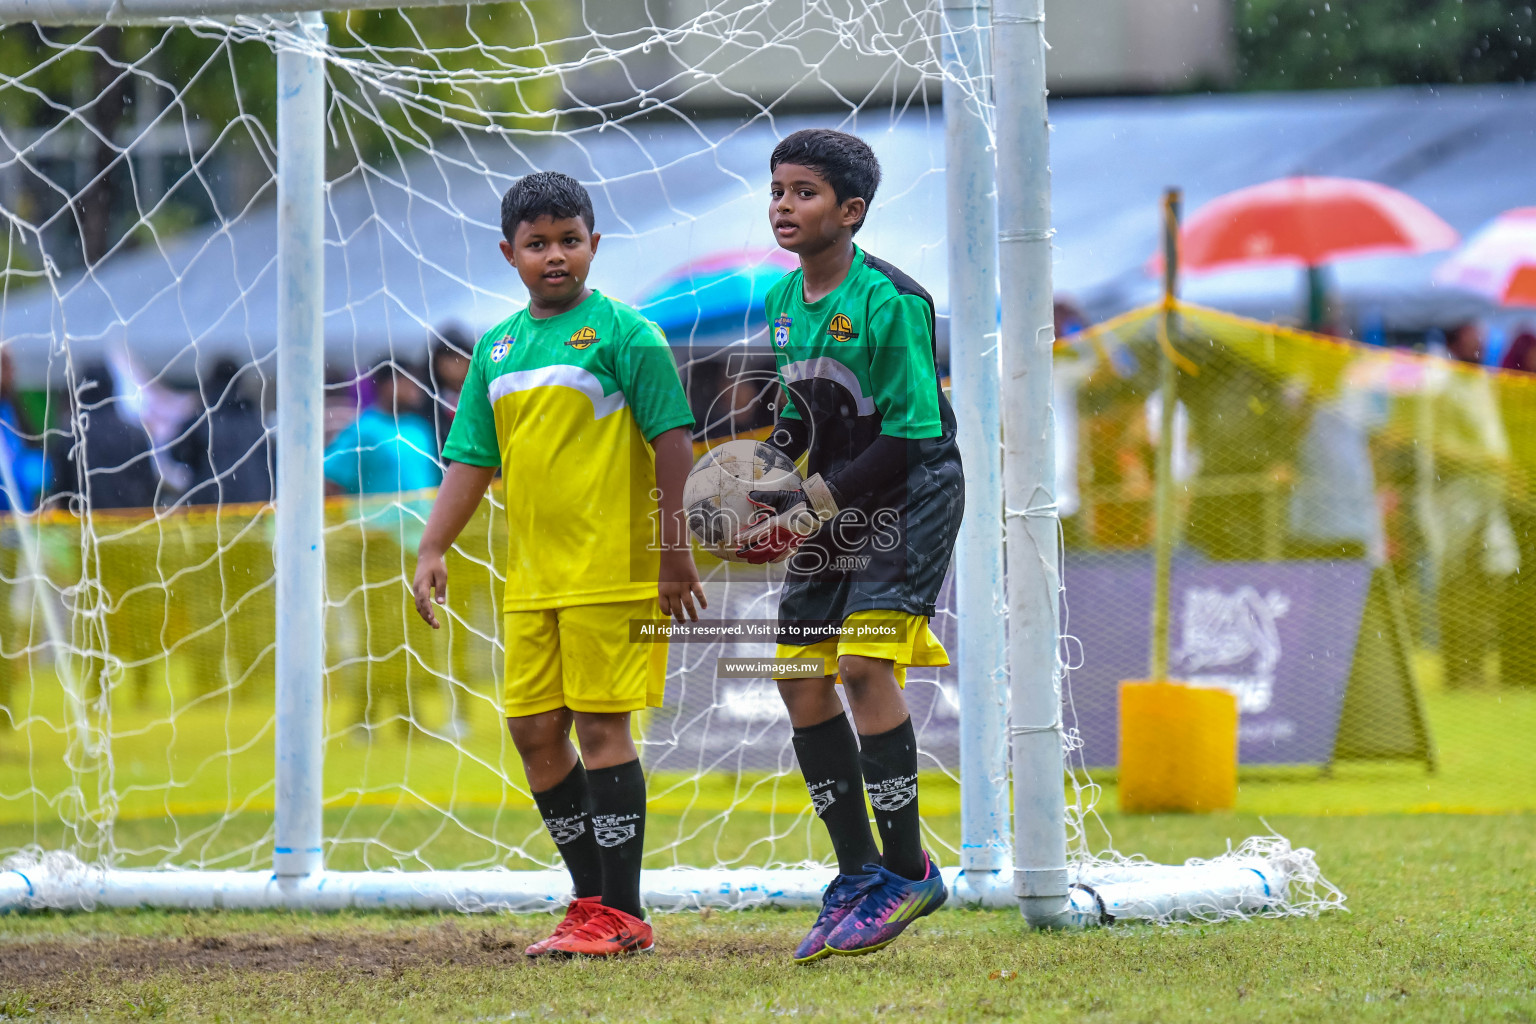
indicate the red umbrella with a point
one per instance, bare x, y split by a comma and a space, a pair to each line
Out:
1499, 261
1309, 222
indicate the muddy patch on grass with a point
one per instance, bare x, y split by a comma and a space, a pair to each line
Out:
368, 952
361, 953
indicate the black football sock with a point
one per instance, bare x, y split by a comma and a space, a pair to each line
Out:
618, 825
890, 777
829, 759
564, 810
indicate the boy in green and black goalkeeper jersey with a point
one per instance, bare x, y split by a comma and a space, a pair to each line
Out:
867, 539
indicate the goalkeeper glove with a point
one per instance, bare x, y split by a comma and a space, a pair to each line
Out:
789, 518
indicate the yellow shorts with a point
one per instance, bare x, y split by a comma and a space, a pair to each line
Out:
582, 658
918, 646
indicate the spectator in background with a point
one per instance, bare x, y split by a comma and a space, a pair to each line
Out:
226, 447
1247, 424
448, 366
1066, 382
1465, 522
227, 460
1333, 508
386, 454
1521, 354
1518, 632
390, 448
29, 469
28, 473
107, 460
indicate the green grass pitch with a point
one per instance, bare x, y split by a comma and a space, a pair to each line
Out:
1441, 926
1439, 923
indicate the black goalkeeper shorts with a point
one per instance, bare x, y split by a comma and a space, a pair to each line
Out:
890, 552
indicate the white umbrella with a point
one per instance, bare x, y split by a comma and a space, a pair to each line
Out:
1498, 262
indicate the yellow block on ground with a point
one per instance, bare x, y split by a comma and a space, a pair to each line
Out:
1178, 747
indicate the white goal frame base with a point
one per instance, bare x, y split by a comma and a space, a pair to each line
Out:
1100, 894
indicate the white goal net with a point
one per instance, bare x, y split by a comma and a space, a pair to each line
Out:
138, 325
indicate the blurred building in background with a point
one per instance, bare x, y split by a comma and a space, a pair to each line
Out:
1097, 46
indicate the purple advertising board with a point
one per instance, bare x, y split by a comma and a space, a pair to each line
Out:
1280, 635
714, 724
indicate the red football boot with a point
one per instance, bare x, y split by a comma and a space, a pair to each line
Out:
577, 914
608, 932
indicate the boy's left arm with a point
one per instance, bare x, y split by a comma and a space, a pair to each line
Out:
679, 584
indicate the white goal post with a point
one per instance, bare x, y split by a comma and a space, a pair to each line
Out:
1012, 736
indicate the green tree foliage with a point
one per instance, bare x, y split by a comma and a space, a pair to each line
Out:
1312, 44
415, 75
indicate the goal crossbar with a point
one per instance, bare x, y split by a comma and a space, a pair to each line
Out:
55, 13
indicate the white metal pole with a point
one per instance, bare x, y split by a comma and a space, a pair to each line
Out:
1230, 887
1162, 494
300, 446
1024, 269
982, 652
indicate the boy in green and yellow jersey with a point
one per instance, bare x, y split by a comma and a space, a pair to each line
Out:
578, 401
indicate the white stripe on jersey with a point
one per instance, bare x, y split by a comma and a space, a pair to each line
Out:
560, 375
828, 368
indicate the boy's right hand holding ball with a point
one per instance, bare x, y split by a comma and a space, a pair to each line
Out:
789, 518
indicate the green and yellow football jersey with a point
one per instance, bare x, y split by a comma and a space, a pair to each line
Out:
566, 406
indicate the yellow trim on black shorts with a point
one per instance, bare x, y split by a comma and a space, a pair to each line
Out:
917, 648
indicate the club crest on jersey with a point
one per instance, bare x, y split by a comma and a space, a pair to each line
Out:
841, 328
584, 338
781, 329
500, 349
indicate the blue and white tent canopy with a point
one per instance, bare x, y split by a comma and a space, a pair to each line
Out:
414, 246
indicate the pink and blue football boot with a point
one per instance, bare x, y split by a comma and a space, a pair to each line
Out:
886, 905
839, 898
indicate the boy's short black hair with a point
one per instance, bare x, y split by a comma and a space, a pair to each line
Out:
544, 194
846, 161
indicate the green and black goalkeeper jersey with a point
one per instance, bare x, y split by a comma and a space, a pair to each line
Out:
857, 364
